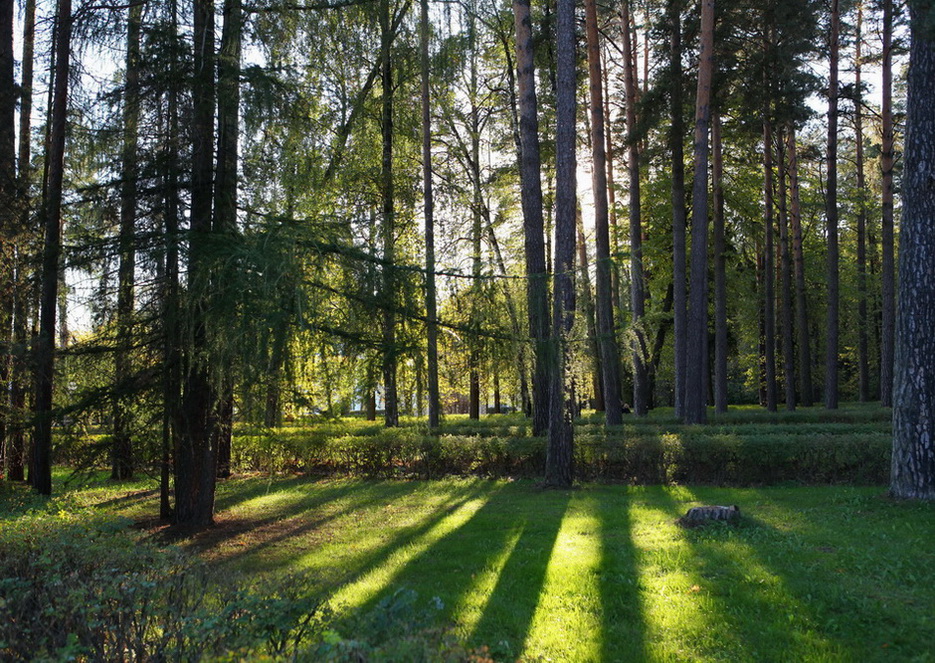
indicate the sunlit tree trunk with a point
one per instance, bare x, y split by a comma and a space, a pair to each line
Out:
695, 373
913, 462
587, 310
559, 462
537, 294
390, 353
831, 214
431, 311
609, 356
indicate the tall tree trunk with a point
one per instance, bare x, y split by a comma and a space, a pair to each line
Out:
537, 290
831, 213
172, 362
798, 259
637, 286
863, 359
390, 403
559, 460
41, 465
679, 213
8, 212
23, 289
431, 309
611, 198
888, 275
913, 464
769, 262
477, 208
122, 452
785, 272
609, 356
695, 373
720, 271
225, 202
195, 457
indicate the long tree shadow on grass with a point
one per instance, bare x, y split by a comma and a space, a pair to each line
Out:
488, 570
855, 574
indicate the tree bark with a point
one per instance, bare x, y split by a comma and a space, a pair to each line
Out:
831, 214
195, 457
679, 213
122, 452
431, 310
559, 460
16, 451
609, 355
887, 157
41, 465
390, 401
8, 213
587, 310
537, 295
913, 461
785, 286
695, 373
798, 259
640, 351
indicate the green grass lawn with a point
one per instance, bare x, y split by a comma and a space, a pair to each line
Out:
600, 573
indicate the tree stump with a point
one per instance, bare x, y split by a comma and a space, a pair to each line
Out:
702, 515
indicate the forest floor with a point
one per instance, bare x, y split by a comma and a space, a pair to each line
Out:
598, 573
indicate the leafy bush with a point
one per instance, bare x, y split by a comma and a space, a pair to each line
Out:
727, 454
80, 587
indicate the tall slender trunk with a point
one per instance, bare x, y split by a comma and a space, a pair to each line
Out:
537, 290
695, 373
831, 214
769, 265
798, 259
41, 465
559, 462
195, 457
611, 196
785, 271
913, 464
888, 275
16, 451
431, 311
679, 213
637, 286
172, 362
8, 213
225, 202
720, 272
391, 406
609, 356
476, 226
122, 452
863, 359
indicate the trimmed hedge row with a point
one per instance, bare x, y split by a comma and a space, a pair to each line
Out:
695, 456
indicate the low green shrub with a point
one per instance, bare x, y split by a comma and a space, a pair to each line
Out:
741, 454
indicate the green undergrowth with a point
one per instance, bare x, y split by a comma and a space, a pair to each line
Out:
471, 567
746, 446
